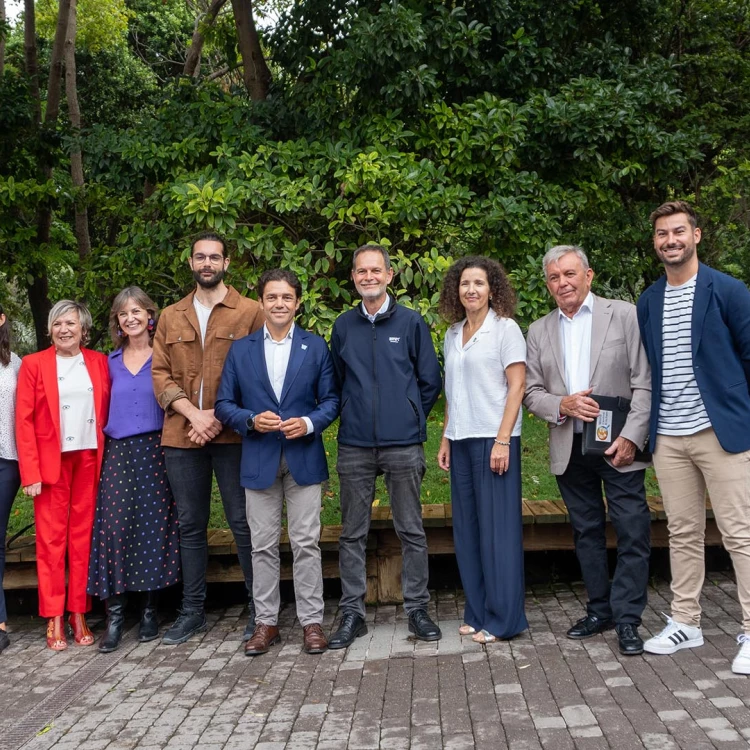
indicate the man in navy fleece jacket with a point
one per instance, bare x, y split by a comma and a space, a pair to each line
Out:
389, 377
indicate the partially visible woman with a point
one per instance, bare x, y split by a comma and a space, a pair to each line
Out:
61, 409
485, 376
135, 544
10, 481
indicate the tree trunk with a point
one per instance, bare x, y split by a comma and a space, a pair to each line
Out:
3, 18
76, 157
54, 85
207, 19
31, 58
38, 289
256, 74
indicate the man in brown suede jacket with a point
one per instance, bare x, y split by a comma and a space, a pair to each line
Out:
191, 342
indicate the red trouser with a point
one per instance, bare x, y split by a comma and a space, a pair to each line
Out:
64, 515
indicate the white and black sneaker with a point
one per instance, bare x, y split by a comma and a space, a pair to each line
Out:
674, 637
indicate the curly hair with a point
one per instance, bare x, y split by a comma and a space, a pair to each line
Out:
502, 296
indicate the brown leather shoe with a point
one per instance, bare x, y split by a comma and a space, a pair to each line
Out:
315, 640
264, 636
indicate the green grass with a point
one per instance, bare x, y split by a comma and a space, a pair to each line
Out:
538, 483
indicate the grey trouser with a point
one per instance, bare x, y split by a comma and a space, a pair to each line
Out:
403, 467
303, 518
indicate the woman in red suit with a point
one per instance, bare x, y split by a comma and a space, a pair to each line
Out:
62, 404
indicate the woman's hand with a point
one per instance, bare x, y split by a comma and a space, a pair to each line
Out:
32, 490
500, 458
444, 454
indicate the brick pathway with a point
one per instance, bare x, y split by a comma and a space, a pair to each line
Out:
540, 690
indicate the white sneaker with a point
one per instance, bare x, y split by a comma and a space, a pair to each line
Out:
675, 637
741, 663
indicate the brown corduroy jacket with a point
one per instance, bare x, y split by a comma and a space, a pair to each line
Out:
180, 361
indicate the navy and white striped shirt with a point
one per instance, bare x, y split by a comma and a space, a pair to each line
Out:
681, 411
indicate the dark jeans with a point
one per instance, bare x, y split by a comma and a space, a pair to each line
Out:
403, 467
10, 481
190, 472
581, 489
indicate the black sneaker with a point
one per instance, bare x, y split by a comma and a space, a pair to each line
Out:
185, 626
423, 627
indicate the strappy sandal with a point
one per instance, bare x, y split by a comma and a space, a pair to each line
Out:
81, 633
483, 636
56, 634
466, 630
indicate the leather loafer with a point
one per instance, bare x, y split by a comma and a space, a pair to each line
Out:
588, 626
262, 639
631, 644
315, 639
423, 627
351, 626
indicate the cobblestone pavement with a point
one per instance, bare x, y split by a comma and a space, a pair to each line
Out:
386, 691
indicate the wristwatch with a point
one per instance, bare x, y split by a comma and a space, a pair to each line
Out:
250, 422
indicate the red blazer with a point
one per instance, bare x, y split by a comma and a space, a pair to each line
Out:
38, 414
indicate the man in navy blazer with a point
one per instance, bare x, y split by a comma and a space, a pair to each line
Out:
278, 391
695, 325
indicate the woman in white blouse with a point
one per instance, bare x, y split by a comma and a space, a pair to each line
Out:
9, 477
62, 404
485, 375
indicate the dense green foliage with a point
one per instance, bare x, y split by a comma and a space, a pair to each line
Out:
498, 127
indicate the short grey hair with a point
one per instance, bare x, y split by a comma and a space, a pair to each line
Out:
65, 306
372, 249
555, 253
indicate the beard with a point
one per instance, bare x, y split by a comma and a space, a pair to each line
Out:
210, 282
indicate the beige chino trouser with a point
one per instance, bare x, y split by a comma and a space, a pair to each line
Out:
303, 518
686, 466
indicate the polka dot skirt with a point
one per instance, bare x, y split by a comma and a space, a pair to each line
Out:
135, 543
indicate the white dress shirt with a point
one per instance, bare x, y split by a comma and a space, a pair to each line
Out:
575, 336
383, 309
277, 362
203, 313
475, 383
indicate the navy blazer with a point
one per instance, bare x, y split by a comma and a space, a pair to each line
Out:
721, 352
309, 391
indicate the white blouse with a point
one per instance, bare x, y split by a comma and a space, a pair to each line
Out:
475, 383
77, 412
8, 380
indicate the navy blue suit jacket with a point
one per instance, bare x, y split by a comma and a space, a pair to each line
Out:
721, 352
309, 391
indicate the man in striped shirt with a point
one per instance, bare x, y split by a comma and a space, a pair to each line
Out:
695, 325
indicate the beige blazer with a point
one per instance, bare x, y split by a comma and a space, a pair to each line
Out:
618, 368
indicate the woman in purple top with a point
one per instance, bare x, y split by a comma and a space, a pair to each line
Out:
135, 544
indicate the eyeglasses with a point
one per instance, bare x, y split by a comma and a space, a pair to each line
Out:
201, 258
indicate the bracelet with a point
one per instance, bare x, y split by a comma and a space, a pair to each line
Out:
501, 442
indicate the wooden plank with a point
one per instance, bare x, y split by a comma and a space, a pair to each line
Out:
656, 506
448, 514
546, 511
527, 514
562, 508
433, 515
220, 542
389, 579
380, 517
20, 576
709, 509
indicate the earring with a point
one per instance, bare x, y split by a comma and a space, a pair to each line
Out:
119, 333
151, 324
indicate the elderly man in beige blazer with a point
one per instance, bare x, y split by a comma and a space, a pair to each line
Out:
591, 346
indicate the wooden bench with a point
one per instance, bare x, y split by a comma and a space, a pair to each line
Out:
546, 526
